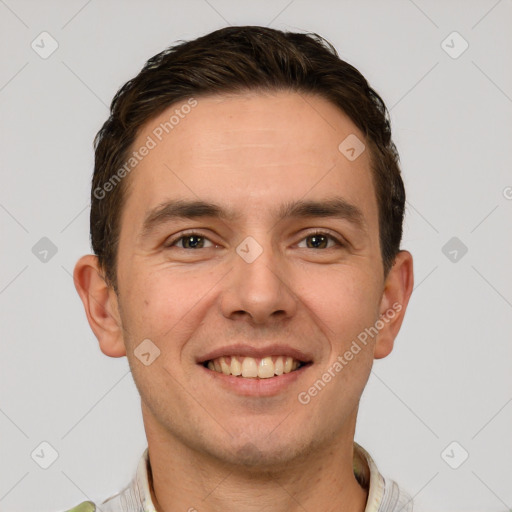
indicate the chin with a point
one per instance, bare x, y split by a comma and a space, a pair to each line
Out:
263, 452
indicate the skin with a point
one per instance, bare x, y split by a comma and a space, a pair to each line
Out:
210, 447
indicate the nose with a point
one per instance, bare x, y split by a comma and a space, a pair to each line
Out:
259, 290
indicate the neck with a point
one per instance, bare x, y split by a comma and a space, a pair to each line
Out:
183, 479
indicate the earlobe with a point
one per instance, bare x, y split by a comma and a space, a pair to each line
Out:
100, 304
397, 291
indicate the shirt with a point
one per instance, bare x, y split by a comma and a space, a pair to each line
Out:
384, 494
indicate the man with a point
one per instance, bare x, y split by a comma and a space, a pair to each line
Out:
246, 220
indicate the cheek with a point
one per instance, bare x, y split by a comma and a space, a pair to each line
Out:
344, 303
344, 299
350, 306
164, 305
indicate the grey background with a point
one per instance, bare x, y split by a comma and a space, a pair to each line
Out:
449, 377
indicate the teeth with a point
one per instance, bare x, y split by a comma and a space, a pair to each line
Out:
250, 367
236, 367
266, 368
226, 370
279, 366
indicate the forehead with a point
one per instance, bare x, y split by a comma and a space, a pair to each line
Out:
248, 151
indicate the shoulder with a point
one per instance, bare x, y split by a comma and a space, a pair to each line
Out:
86, 506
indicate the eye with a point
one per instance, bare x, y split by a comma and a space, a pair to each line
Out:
320, 240
191, 241
314, 240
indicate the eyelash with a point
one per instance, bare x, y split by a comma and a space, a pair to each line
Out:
195, 233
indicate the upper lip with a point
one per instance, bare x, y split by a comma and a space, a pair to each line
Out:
257, 352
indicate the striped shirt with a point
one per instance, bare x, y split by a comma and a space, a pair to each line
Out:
384, 495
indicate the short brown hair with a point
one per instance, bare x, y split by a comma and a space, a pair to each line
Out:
232, 60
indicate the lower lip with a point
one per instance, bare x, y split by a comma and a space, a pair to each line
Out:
254, 386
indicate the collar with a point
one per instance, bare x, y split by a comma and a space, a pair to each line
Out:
384, 495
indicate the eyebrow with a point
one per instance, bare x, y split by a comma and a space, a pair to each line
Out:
336, 207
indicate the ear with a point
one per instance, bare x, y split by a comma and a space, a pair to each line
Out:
395, 297
101, 306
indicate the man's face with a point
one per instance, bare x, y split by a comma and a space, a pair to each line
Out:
253, 283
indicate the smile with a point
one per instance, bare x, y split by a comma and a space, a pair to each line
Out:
253, 368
